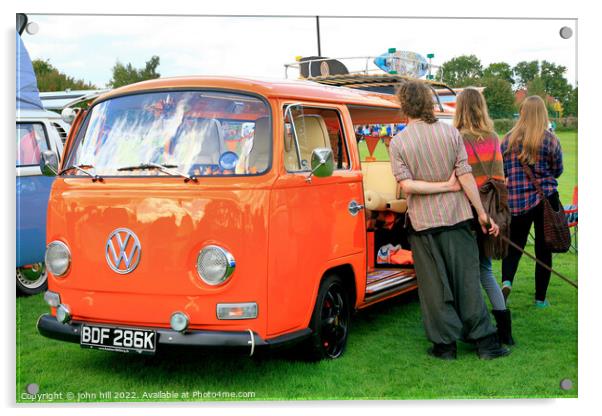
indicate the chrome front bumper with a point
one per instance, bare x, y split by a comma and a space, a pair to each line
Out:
247, 341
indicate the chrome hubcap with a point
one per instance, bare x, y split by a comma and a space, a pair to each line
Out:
32, 276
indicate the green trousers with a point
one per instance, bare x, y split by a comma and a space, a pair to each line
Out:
447, 270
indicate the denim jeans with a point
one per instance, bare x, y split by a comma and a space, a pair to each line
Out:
490, 284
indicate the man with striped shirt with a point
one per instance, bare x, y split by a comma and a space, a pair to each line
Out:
444, 246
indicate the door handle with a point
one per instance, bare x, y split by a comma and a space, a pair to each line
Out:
354, 208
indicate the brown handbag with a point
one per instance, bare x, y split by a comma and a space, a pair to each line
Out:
494, 197
557, 235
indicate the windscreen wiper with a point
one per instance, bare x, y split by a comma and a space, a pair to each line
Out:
82, 168
165, 168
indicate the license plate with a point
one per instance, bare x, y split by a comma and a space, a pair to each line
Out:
139, 341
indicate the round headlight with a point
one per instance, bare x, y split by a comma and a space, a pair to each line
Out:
215, 265
57, 258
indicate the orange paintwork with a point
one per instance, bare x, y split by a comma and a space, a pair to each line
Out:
283, 231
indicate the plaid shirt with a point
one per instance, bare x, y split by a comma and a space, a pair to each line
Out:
522, 195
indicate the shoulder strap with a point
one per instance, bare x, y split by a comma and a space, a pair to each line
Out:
531, 177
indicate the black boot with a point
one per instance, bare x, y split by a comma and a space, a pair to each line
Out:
443, 351
504, 326
489, 347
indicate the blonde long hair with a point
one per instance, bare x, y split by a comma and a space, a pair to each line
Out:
472, 115
529, 129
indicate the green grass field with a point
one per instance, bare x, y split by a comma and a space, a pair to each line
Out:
385, 358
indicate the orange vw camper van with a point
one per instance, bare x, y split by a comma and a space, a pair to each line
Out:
221, 212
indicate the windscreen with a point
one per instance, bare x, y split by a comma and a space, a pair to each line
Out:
199, 133
31, 140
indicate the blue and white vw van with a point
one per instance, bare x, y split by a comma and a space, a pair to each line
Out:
36, 131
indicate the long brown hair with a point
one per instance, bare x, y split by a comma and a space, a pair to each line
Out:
416, 101
472, 116
529, 129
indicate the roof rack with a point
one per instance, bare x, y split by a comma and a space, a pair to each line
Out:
368, 80
57, 100
402, 65
369, 76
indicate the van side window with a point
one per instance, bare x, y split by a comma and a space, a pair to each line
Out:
31, 141
313, 128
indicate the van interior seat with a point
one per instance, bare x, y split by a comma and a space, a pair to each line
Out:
212, 145
312, 133
260, 153
381, 190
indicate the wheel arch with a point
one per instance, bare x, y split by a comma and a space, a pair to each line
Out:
348, 274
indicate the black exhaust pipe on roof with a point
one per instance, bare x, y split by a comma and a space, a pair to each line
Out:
318, 33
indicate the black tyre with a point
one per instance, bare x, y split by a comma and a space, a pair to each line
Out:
330, 321
32, 279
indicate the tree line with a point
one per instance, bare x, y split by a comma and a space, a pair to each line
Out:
52, 79
500, 82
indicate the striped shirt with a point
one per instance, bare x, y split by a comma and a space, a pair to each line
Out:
485, 148
430, 152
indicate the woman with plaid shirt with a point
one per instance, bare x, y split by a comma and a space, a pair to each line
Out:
530, 141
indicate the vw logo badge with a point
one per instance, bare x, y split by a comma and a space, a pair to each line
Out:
123, 251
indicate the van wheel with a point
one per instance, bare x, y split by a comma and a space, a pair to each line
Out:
330, 320
32, 279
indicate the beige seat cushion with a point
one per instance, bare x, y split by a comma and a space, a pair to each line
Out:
381, 190
312, 133
212, 144
259, 156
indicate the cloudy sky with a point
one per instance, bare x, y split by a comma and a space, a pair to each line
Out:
88, 46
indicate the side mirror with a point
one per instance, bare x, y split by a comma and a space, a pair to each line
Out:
49, 163
68, 114
322, 163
